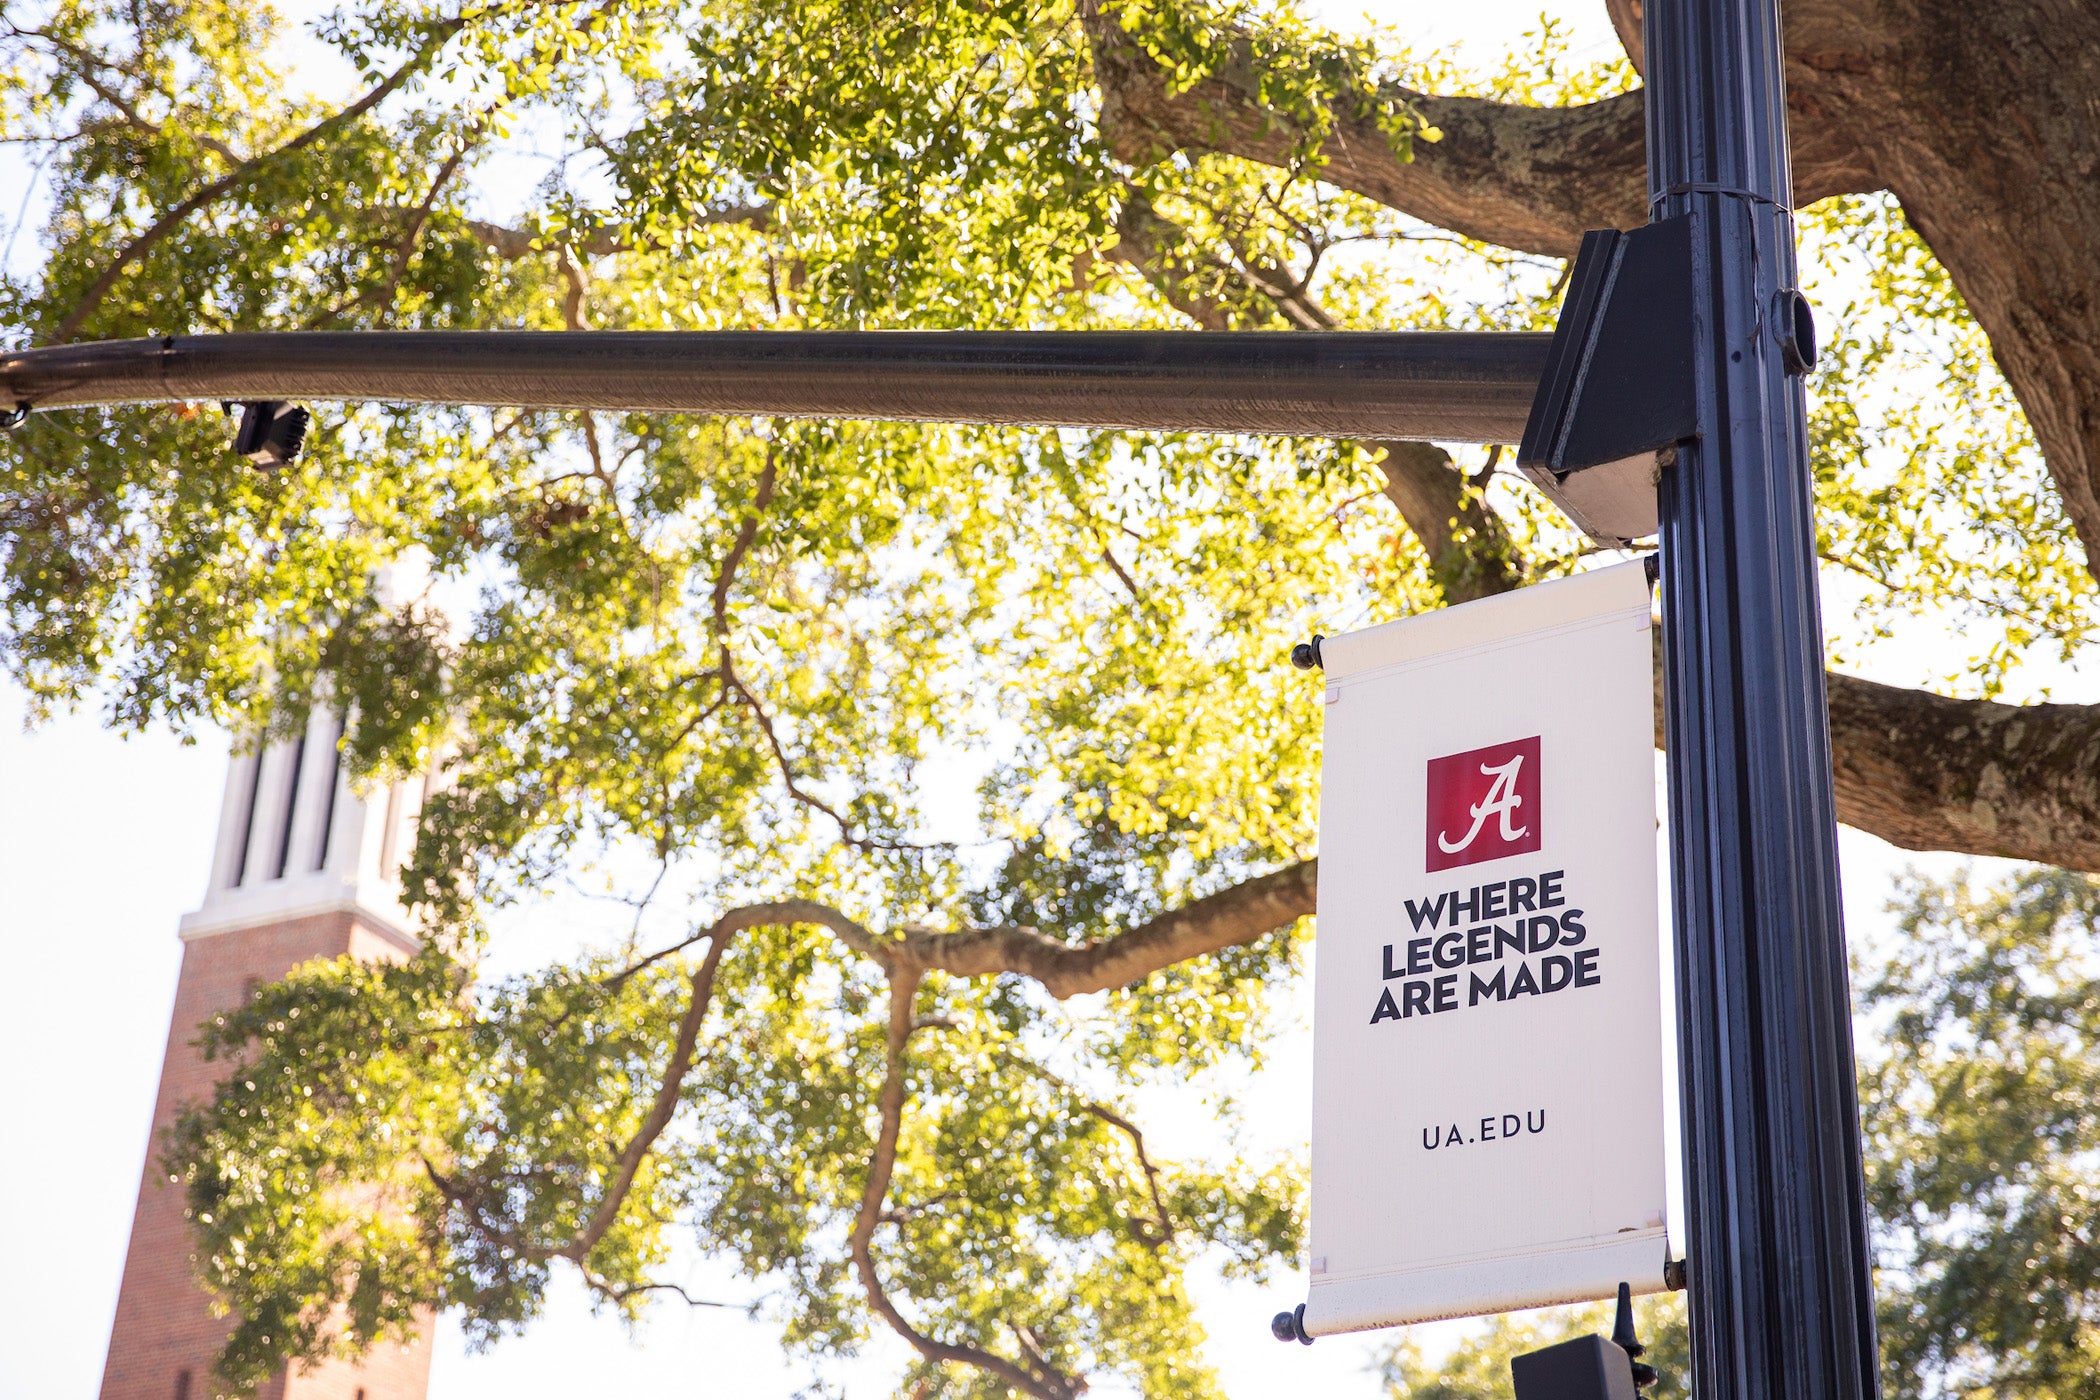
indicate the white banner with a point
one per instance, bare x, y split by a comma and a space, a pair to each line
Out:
1487, 1044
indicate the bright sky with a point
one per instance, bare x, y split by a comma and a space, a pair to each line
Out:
104, 843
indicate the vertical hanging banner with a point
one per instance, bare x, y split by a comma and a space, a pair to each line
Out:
1487, 1045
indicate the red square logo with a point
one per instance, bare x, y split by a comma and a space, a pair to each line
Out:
1484, 804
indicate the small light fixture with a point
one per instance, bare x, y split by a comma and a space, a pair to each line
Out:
271, 432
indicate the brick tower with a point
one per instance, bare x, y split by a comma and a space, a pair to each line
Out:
304, 868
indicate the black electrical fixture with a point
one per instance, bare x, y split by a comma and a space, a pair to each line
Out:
271, 432
1617, 395
1587, 1368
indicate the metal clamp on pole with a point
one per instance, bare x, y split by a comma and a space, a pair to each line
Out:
1618, 391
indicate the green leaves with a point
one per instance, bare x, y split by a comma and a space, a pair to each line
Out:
311, 1204
932, 167
1980, 1108
386, 1144
1936, 500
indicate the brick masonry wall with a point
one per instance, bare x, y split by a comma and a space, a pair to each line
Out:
164, 1329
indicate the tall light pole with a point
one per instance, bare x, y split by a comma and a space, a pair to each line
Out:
1777, 1255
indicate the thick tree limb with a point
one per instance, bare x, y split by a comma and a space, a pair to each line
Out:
1470, 552
1530, 178
1226, 919
1524, 177
1928, 773
2000, 183
1997, 181
1626, 22
1918, 770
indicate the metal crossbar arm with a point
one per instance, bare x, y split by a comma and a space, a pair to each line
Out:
1452, 386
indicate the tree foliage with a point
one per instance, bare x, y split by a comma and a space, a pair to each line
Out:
1981, 1099
959, 800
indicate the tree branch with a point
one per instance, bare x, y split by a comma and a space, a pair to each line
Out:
1227, 919
882, 1164
1530, 178
1154, 1233
1918, 770
1928, 773
1140, 238
225, 184
1470, 552
1523, 177
776, 914
404, 247
620, 1293
746, 535
85, 64
734, 684
1155, 246
577, 282
666, 1103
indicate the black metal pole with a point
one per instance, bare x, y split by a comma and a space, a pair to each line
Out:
1465, 386
1777, 1261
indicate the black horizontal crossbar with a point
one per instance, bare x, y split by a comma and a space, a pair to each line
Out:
1454, 386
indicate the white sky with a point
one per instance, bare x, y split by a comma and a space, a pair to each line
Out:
104, 843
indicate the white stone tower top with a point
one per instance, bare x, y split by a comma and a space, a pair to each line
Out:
295, 840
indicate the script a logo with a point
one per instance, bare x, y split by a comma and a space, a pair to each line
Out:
1484, 804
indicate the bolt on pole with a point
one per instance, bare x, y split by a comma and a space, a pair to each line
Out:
1777, 1253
